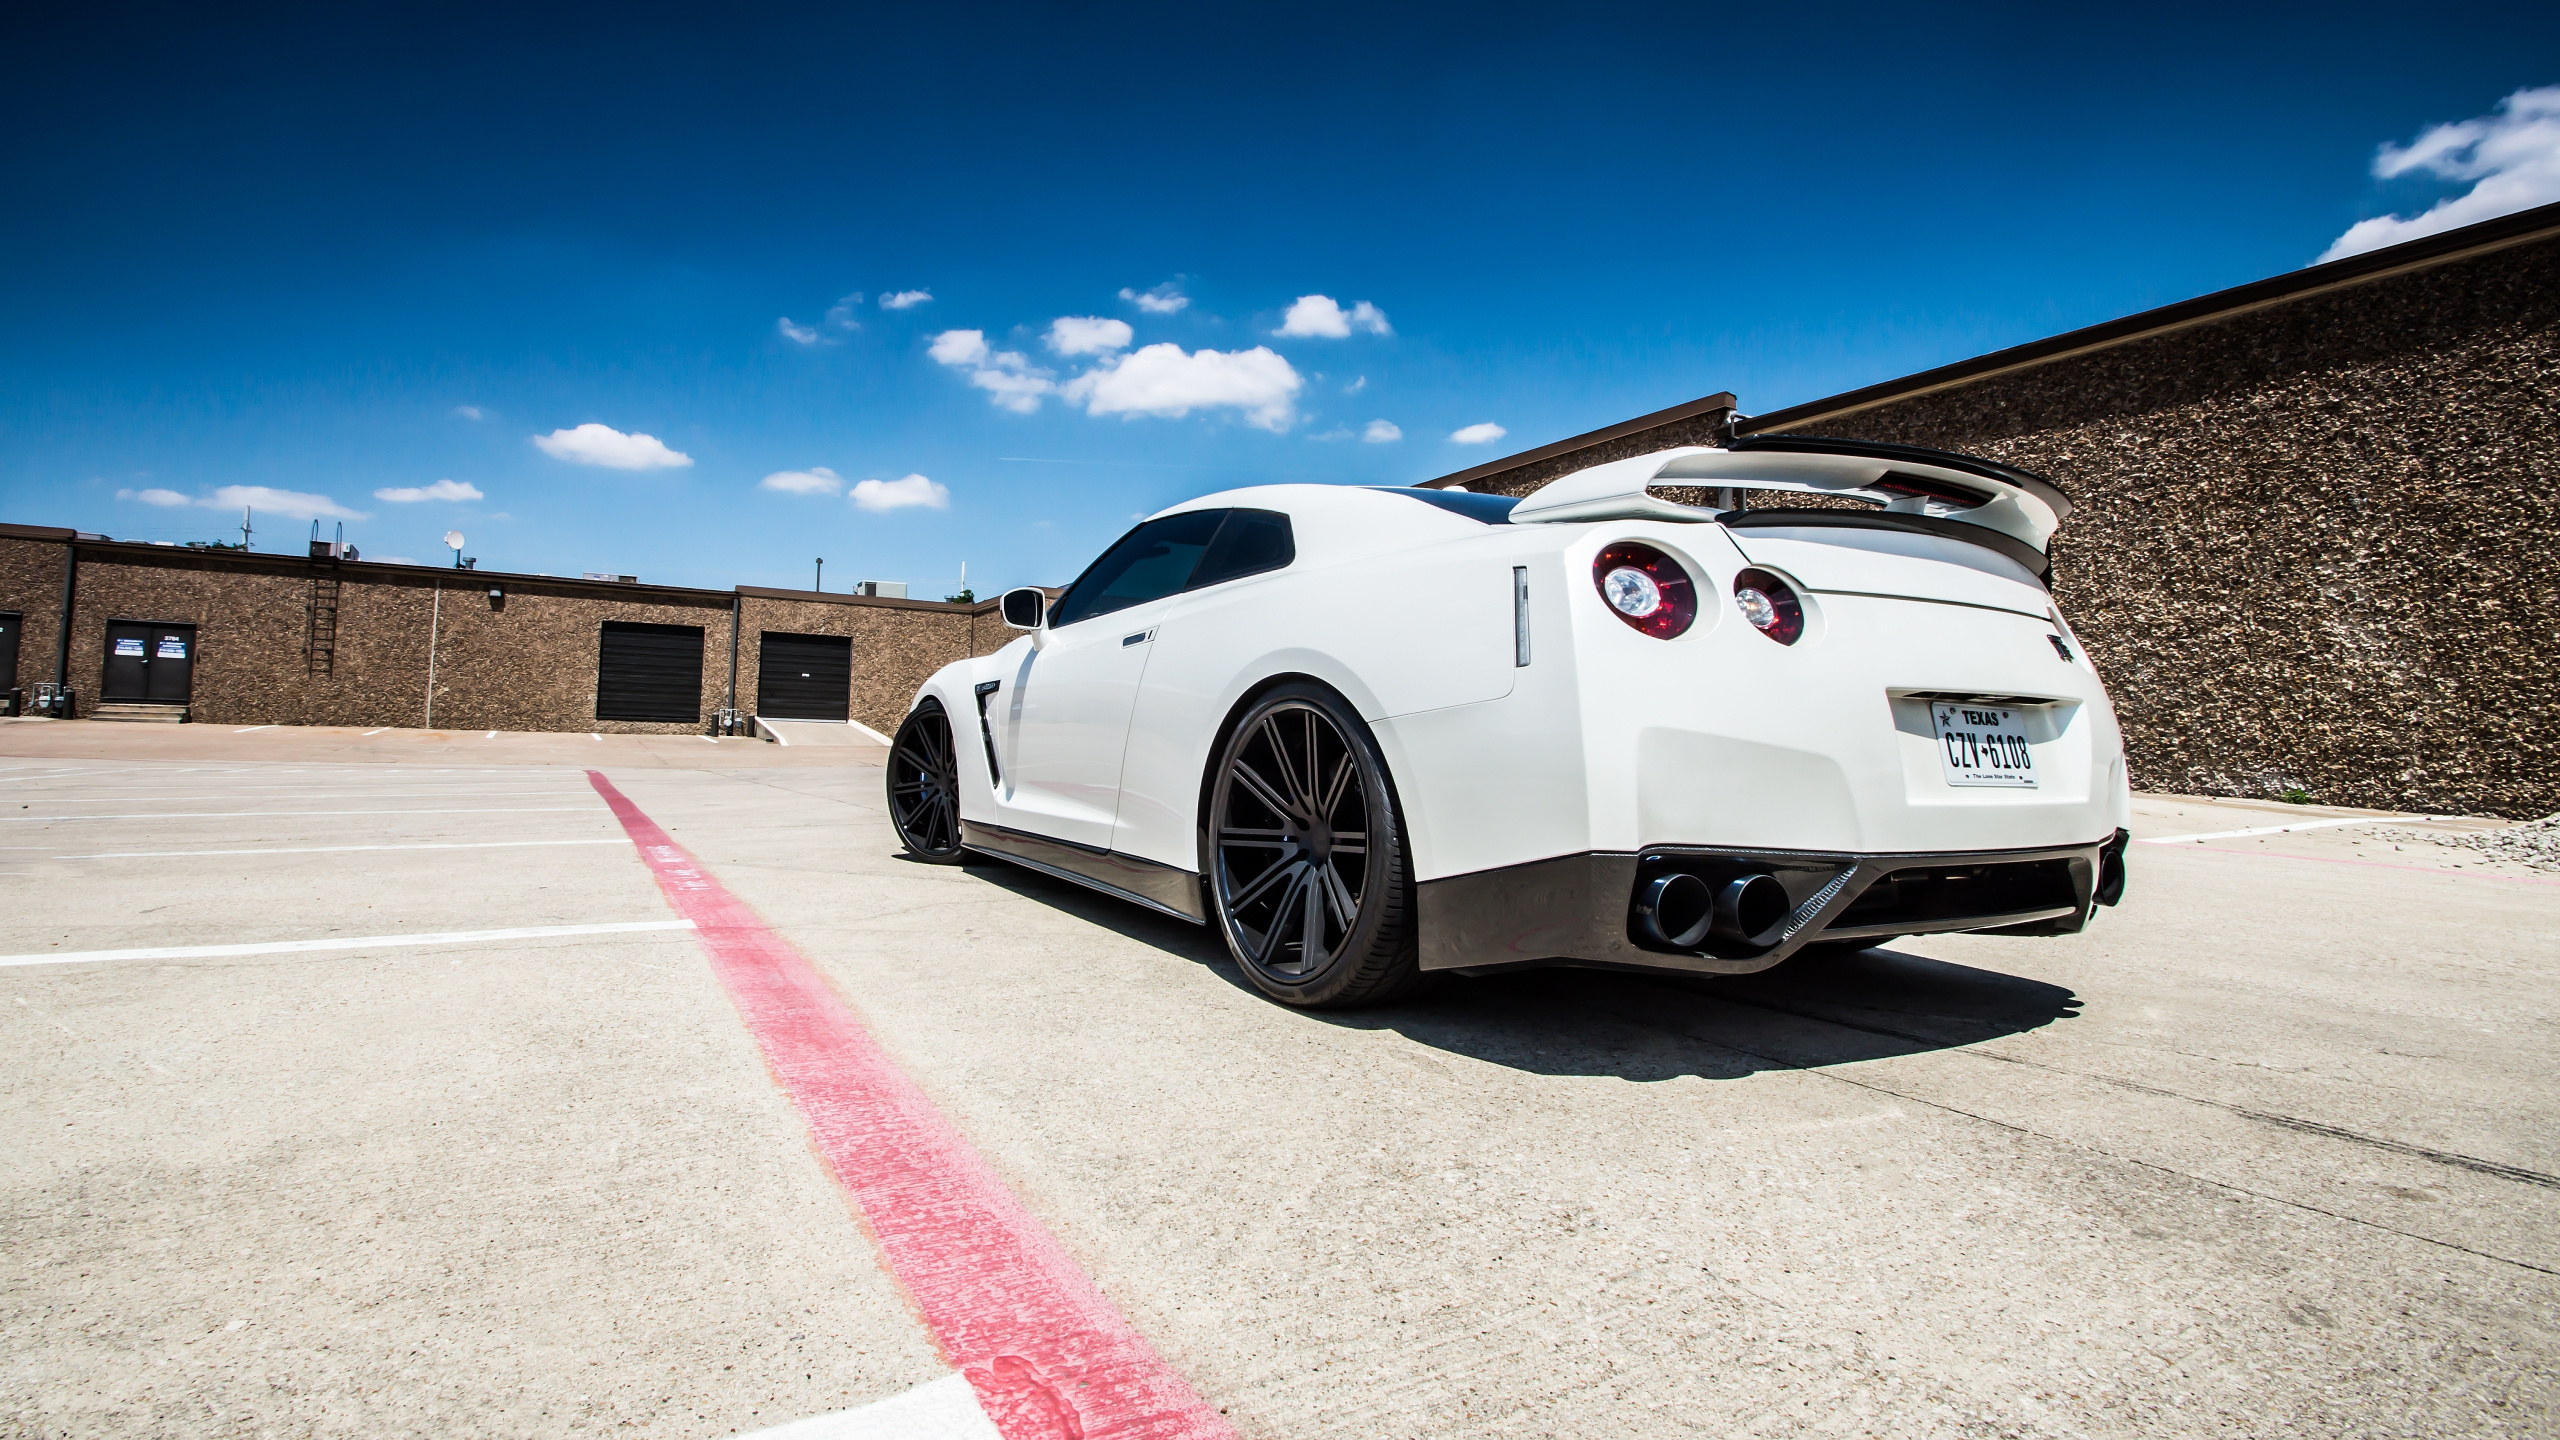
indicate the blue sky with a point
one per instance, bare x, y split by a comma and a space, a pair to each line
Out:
415, 253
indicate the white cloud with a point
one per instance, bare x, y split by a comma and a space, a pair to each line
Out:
1318, 315
816, 480
441, 490
1356, 386
841, 314
800, 333
1484, 434
2511, 156
1381, 432
292, 504
905, 299
1011, 381
911, 492
1088, 335
1162, 300
594, 444
959, 347
467, 412
1338, 432
1161, 380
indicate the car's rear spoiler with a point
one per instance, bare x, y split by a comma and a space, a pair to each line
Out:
1935, 492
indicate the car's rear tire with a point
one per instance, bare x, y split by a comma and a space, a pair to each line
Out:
1303, 838
924, 786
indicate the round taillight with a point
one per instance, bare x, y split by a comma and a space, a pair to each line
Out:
1769, 604
1645, 588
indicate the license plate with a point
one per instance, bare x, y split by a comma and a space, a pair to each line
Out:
1984, 745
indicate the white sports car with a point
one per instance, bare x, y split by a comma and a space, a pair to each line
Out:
1371, 734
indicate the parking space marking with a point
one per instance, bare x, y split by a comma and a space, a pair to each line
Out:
246, 814
353, 942
944, 1409
323, 849
1045, 1352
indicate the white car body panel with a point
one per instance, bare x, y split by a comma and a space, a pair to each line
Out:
1608, 741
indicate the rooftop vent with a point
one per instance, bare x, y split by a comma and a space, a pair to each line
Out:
882, 589
614, 579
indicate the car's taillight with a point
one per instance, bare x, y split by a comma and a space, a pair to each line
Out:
1645, 588
1769, 604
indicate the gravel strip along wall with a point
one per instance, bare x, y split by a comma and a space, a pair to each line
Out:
2313, 547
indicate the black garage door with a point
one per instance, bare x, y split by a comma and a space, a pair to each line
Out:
804, 677
649, 672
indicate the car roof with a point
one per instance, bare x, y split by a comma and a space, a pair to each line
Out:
1336, 522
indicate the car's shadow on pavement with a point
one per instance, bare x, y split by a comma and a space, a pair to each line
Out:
1825, 1010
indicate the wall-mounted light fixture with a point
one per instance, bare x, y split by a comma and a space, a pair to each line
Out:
497, 597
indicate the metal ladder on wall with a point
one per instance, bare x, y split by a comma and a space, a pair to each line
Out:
320, 635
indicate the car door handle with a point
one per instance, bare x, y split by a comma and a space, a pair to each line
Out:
1138, 639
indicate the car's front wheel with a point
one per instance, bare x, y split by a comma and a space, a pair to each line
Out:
1304, 850
924, 786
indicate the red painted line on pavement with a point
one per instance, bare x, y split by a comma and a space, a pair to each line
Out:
2373, 864
1048, 1355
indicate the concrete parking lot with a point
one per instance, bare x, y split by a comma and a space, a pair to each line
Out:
2270, 1150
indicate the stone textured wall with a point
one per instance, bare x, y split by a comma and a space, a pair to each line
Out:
2313, 547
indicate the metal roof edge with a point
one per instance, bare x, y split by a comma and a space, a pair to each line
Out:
885, 602
376, 569
1721, 400
35, 532
2426, 252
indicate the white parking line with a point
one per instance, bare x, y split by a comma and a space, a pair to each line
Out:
245, 729
492, 735
246, 814
362, 942
2297, 825
326, 849
340, 795
597, 738
944, 1409
369, 734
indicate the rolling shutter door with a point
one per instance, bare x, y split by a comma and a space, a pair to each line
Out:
649, 672
804, 677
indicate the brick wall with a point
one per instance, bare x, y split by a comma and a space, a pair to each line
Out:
526, 662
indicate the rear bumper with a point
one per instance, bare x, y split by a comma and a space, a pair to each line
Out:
1580, 909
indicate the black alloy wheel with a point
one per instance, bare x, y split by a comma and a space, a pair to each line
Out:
1305, 854
924, 786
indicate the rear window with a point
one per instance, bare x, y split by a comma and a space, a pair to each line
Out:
1251, 542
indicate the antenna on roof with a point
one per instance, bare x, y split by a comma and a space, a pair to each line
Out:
454, 539
244, 527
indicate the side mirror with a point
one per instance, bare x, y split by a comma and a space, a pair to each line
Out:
1025, 608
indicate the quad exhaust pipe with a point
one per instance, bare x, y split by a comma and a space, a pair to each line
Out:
1682, 912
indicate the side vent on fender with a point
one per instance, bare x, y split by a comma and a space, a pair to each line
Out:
995, 774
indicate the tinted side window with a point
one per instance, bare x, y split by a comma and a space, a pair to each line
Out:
1251, 542
1149, 563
